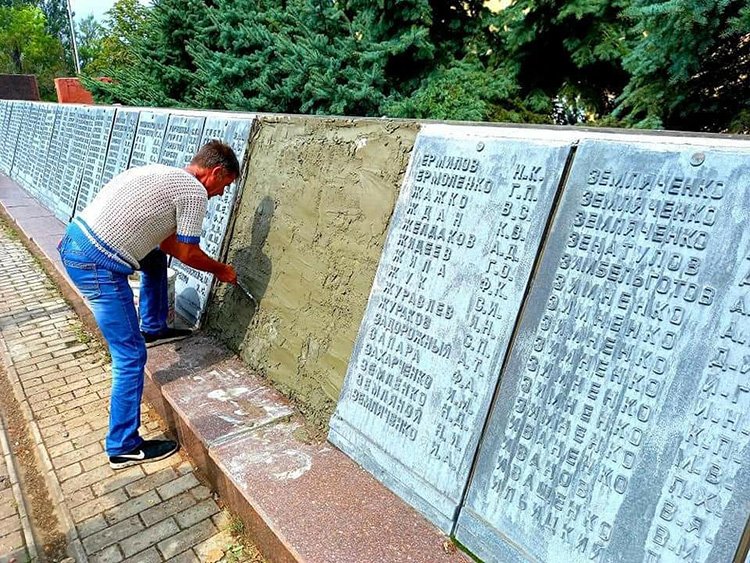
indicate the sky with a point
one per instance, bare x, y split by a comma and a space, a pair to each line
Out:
83, 8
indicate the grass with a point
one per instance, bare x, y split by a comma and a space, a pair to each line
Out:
236, 526
7, 229
243, 549
82, 335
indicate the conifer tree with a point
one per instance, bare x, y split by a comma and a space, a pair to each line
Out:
301, 56
146, 53
566, 53
175, 26
361, 57
689, 65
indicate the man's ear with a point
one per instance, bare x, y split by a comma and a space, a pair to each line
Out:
217, 171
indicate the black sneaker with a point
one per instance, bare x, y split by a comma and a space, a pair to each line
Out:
169, 335
149, 450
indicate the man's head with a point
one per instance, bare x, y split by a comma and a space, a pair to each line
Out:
215, 166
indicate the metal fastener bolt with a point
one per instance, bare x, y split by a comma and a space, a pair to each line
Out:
697, 159
480, 146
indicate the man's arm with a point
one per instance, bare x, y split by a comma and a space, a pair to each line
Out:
193, 256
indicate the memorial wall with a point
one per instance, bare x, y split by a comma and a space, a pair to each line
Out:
619, 429
538, 337
64, 154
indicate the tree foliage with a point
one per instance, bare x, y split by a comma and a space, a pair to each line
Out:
567, 51
145, 53
27, 48
680, 64
89, 36
117, 57
304, 57
689, 66
58, 25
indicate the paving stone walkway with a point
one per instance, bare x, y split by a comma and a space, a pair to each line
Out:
153, 512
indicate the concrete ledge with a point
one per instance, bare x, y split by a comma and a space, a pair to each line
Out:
300, 500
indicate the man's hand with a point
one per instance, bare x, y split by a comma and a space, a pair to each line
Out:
193, 256
227, 275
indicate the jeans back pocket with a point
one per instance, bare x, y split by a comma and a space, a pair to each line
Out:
84, 275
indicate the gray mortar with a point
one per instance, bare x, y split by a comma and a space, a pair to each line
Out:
307, 239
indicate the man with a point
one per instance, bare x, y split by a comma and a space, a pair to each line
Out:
137, 217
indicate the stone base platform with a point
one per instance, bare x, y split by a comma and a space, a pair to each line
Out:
301, 500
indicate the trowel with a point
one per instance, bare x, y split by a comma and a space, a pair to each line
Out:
246, 291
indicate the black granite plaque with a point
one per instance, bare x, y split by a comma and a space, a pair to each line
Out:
149, 137
96, 154
192, 287
621, 429
181, 140
120, 147
460, 249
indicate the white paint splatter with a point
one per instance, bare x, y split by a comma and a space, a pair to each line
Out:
297, 463
229, 419
305, 464
226, 395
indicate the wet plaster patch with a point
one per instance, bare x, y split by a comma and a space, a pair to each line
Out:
308, 235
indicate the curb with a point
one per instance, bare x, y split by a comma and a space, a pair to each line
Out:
75, 547
23, 512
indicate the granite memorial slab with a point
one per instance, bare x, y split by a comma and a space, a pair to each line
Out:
22, 162
149, 136
461, 245
191, 286
18, 115
96, 155
6, 147
77, 128
5, 109
181, 140
48, 190
119, 150
41, 145
621, 428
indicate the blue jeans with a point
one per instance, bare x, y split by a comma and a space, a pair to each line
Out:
111, 301
153, 303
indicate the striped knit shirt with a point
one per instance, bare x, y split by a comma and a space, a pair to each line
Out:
136, 211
